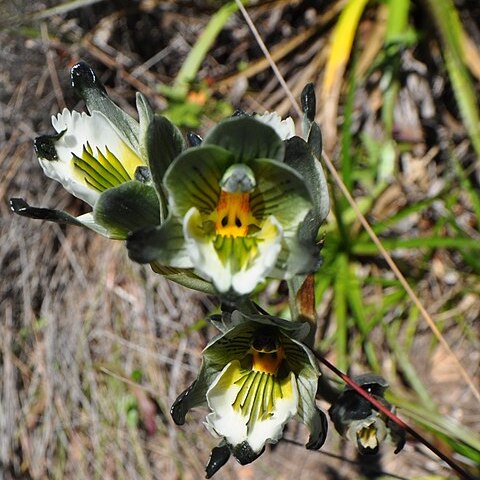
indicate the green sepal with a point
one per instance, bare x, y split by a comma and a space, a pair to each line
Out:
91, 90
247, 139
185, 277
218, 458
311, 131
196, 394
21, 207
129, 207
299, 157
160, 143
164, 245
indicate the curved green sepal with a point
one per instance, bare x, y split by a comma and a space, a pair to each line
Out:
185, 277
299, 157
91, 90
196, 394
193, 396
318, 426
218, 458
160, 143
21, 207
247, 139
129, 207
164, 245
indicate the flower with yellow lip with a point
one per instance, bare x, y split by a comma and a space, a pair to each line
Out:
102, 158
237, 209
255, 377
359, 421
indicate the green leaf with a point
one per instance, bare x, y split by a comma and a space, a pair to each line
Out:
247, 139
91, 90
130, 206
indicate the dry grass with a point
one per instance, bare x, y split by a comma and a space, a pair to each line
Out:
80, 322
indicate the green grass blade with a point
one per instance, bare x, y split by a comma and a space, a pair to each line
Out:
450, 28
420, 242
197, 54
340, 288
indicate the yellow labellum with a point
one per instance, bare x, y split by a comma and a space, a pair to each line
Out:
267, 362
233, 215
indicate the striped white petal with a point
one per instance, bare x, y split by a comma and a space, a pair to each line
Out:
91, 155
257, 417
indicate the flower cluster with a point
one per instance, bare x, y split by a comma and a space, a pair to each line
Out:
221, 215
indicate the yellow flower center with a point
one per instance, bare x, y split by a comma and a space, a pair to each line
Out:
367, 436
267, 361
233, 215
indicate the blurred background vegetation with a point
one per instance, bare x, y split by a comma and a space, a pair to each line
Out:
94, 349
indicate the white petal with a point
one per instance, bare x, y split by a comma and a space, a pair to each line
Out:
202, 252
244, 281
232, 425
271, 429
100, 134
285, 128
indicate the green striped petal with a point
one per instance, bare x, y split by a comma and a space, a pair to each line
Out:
246, 138
193, 180
280, 192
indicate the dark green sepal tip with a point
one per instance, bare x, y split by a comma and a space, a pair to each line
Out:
179, 408
45, 146
142, 174
218, 458
194, 140
309, 101
18, 205
317, 442
83, 77
21, 207
244, 454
